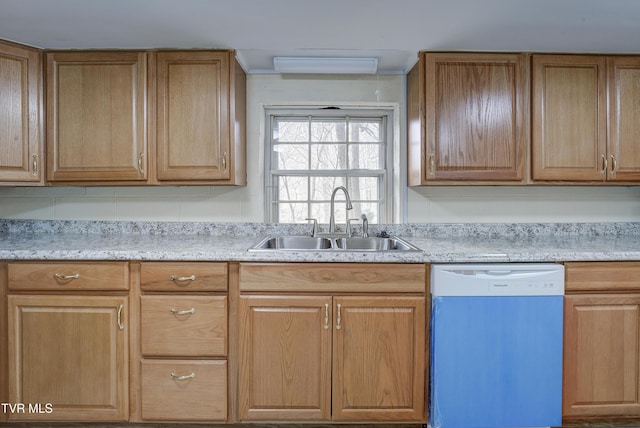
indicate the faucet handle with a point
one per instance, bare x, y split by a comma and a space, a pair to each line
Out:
348, 231
365, 226
314, 231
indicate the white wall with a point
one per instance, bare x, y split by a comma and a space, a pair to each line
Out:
212, 203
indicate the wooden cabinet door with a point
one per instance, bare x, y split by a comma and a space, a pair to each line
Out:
601, 355
476, 116
624, 118
569, 117
193, 115
285, 358
20, 138
96, 116
69, 353
378, 358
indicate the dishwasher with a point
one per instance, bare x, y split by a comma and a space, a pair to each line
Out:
496, 345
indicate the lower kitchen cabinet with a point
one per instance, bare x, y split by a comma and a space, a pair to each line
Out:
338, 357
601, 373
68, 340
68, 357
183, 342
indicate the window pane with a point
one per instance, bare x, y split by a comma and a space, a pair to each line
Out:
366, 156
322, 187
328, 156
370, 209
293, 188
291, 130
329, 131
292, 212
291, 156
364, 188
365, 131
320, 212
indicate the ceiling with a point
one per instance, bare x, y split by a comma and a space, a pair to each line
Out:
392, 30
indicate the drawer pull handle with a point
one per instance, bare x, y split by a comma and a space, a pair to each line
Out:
183, 377
175, 312
182, 278
120, 325
61, 277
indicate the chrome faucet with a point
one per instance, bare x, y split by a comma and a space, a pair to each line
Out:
332, 218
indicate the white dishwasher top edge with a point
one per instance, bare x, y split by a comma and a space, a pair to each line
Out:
497, 279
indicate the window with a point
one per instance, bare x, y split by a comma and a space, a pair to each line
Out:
311, 152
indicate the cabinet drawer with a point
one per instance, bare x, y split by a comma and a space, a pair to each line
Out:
602, 276
68, 276
333, 277
184, 390
163, 276
184, 326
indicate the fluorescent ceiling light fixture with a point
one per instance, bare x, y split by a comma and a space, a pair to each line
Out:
322, 65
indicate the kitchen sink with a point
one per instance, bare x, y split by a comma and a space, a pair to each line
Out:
373, 244
294, 243
330, 243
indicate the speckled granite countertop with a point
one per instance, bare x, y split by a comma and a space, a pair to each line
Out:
441, 243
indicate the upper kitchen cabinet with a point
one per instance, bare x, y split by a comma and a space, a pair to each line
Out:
467, 117
624, 118
200, 117
569, 117
573, 139
20, 121
96, 116
129, 117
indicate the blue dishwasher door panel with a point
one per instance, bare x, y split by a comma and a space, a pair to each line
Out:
496, 361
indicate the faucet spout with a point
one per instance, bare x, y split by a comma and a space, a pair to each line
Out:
332, 218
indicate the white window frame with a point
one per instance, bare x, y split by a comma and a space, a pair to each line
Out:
393, 205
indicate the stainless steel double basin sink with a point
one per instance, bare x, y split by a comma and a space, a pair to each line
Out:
329, 243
